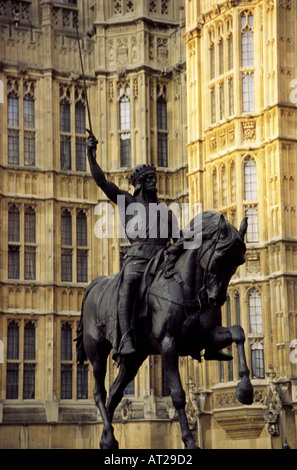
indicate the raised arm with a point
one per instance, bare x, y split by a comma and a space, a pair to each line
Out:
110, 189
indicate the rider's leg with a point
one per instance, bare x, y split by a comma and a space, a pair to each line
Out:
128, 293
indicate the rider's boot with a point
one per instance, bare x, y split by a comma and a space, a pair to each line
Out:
126, 344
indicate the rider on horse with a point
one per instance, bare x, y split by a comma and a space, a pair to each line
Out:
155, 229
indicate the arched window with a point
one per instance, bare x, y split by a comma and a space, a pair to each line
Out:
66, 361
247, 61
13, 224
30, 225
221, 56
247, 39
65, 129
233, 182
66, 242
80, 131
255, 312
125, 125
257, 359
162, 126
230, 51
66, 228
81, 229
224, 185
215, 189
250, 179
229, 324
82, 243
212, 61
253, 224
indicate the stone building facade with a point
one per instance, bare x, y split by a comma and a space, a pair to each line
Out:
203, 89
241, 70
52, 244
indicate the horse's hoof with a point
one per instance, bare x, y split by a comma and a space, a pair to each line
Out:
109, 444
244, 393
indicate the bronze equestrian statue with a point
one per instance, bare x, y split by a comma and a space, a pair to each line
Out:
178, 312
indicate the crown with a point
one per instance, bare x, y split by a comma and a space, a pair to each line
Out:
140, 171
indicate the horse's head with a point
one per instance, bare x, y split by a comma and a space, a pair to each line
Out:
220, 260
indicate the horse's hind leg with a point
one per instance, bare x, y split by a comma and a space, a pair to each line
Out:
99, 362
128, 369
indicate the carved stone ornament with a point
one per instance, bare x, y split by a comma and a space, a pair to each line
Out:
271, 418
249, 131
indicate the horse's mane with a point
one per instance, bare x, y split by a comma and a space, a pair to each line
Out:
207, 221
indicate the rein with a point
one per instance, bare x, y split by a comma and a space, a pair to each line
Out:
174, 274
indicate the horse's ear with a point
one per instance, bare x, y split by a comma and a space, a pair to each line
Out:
243, 227
222, 225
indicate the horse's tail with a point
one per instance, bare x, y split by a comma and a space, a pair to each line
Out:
81, 355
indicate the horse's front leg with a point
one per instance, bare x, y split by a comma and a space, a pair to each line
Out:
220, 338
170, 358
244, 390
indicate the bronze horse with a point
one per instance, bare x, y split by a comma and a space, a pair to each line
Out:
182, 318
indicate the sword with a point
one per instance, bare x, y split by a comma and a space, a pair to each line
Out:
90, 131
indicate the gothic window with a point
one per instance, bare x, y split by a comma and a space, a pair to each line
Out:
247, 61
74, 380
125, 125
13, 128
257, 360
14, 237
82, 242
256, 329
222, 100
215, 189
224, 185
212, 61
250, 179
30, 225
213, 105
66, 361
231, 96
255, 312
233, 182
230, 51
253, 225
29, 365
21, 352
29, 125
30, 240
248, 92
221, 56
229, 349
13, 341
66, 228
13, 262
82, 381
162, 127
13, 224
66, 242
65, 127
237, 309
80, 131
81, 229
21, 122
247, 39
